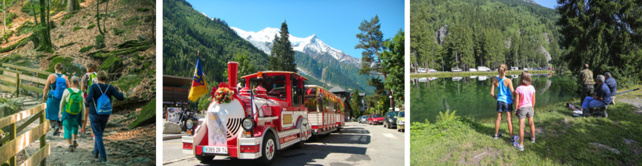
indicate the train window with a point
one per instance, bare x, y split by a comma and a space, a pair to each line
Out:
296, 92
274, 85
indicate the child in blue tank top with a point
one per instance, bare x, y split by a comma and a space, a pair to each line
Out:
504, 99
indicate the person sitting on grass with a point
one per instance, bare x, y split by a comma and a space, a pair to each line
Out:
525, 99
601, 98
71, 108
504, 99
611, 83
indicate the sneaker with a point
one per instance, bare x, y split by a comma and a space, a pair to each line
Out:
75, 144
520, 147
532, 139
515, 141
577, 112
71, 148
498, 135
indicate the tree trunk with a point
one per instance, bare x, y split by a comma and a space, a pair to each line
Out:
73, 6
98, 17
4, 15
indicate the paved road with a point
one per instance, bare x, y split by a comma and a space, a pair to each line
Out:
356, 144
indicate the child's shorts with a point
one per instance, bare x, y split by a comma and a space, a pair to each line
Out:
70, 125
504, 107
525, 112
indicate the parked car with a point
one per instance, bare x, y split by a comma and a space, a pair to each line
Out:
483, 68
455, 69
363, 119
375, 119
472, 69
401, 121
421, 70
390, 120
432, 70
514, 68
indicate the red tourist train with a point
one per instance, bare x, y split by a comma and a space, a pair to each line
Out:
268, 114
325, 110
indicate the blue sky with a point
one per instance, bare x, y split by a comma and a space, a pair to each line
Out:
335, 22
547, 3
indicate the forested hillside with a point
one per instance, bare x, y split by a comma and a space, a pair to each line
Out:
332, 72
465, 34
186, 31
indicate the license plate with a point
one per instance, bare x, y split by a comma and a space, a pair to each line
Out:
215, 149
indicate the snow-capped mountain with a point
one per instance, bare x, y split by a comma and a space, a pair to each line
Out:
310, 45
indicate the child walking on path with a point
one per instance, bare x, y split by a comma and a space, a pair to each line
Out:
71, 108
504, 99
525, 99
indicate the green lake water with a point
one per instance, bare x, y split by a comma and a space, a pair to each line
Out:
470, 96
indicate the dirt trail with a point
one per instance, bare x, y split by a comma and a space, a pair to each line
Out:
632, 98
124, 146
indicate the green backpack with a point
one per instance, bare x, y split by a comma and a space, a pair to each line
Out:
74, 106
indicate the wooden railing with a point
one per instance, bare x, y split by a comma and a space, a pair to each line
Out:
13, 79
13, 144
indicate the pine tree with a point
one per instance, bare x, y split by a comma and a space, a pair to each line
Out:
371, 41
282, 55
393, 61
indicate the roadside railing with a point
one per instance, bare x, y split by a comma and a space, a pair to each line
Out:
12, 143
14, 78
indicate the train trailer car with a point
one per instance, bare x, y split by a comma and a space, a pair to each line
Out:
266, 115
325, 110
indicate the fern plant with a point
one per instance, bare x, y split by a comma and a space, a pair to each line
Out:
447, 116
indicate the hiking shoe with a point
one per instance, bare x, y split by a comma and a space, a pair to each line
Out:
75, 144
498, 135
532, 139
95, 153
71, 148
520, 147
102, 159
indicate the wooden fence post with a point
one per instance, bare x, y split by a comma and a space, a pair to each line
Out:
13, 132
17, 83
43, 140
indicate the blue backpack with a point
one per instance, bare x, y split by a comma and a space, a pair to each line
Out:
61, 85
103, 104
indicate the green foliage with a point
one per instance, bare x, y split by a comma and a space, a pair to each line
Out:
77, 28
186, 31
393, 61
447, 116
140, 9
132, 21
282, 55
117, 31
10, 17
85, 49
607, 35
371, 41
147, 115
69, 44
91, 26
99, 42
111, 64
25, 28
355, 103
13, 105
464, 34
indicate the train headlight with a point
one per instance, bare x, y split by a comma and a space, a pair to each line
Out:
247, 124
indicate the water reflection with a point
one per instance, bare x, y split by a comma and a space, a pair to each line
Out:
470, 96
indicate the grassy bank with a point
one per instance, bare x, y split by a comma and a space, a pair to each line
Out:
561, 140
478, 73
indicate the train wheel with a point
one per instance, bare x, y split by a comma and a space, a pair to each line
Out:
269, 150
204, 159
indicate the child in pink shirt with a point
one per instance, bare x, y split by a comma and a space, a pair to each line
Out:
525, 101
